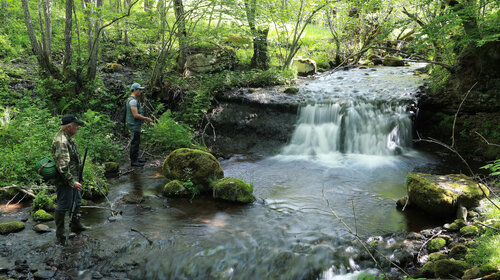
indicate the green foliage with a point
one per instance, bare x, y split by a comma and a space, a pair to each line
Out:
190, 187
167, 135
26, 136
60, 94
493, 167
97, 136
7, 49
94, 183
43, 201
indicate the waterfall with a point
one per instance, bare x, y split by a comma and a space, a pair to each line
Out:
374, 128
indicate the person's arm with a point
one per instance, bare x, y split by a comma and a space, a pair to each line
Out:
136, 114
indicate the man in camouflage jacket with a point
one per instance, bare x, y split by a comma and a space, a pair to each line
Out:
67, 160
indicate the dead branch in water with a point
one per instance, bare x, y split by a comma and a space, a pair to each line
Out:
349, 230
142, 234
425, 243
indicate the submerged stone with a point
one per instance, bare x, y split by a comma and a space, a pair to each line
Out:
442, 194
111, 167
233, 189
42, 216
436, 244
200, 167
9, 227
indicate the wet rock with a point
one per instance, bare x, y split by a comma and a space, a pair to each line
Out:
111, 167
458, 252
44, 274
176, 188
472, 273
414, 236
442, 194
469, 231
392, 61
42, 216
291, 90
96, 275
41, 228
10, 227
133, 198
375, 59
436, 244
305, 66
403, 202
402, 257
232, 189
445, 268
199, 166
21, 266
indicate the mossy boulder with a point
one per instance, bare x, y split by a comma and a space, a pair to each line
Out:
442, 194
436, 256
175, 188
436, 244
291, 90
111, 167
428, 270
42, 216
9, 227
210, 60
458, 252
445, 268
233, 189
392, 61
469, 231
112, 67
200, 167
304, 66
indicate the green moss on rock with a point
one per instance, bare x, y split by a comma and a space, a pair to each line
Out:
436, 244
445, 268
44, 201
6, 228
111, 167
469, 231
428, 270
233, 189
441, 194
458, 252
200, 167
42, 216
436, 256
487, 269
175, 188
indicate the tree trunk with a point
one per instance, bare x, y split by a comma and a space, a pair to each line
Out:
181, 35
68, 36
47, 13
43, 57
126, 4
92, 70
260, 58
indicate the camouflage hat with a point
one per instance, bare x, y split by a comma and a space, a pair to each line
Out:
71, 118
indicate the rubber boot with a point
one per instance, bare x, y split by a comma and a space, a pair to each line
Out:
76, 226
59, 219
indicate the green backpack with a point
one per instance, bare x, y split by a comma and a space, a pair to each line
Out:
46, 168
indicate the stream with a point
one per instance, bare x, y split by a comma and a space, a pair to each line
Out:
349, 154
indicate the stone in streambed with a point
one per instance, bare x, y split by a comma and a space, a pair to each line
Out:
445, 268
41, 228
232, 189
200, 167
175, 188
436, 244
42, 216
469, 231
10, 227
458, 252
441, 195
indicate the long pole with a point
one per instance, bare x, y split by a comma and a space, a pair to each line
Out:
75, 192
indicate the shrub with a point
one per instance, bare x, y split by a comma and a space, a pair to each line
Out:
167, 135
94, 183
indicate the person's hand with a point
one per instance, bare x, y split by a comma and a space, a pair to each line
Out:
148, 120
77, 186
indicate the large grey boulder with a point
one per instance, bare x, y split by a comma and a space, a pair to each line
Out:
210, 61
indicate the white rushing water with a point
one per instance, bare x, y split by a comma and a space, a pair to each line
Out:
364, 112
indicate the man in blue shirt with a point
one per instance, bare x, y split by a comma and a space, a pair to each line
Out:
134, 120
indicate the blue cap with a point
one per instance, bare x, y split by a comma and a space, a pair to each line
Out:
136, 86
